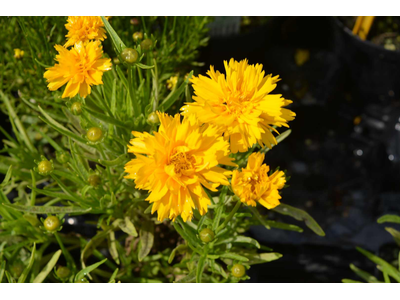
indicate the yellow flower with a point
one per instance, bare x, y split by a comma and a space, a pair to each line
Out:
240, 104
176, 163
253, 184
171, 82
81, 66
18, 53
84, 29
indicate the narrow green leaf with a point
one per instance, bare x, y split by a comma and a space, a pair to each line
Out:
191, 277
284, 226
279, 139
200, 268
112, 247
239, 239
300, 215
350, 281
217, 268
26, 271
146, 239
82, 273
106, 119
2, 269
144, 67
234, 256
381, 262
120, 160
364, 275
394, 233
389, 218
127, 226
7, 177
113, 276
42, 64
178, 249
47, 269
261, 258
116, 40
48, 209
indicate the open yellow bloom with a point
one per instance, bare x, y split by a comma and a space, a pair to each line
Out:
18, 53
253, 184
240, 104
84, 29
176, 163
80, 67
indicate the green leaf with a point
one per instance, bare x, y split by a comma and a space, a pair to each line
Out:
284, 226
127, 226
171, 98
106, 119
388, 268
112, 247
144, 67
217, 268
191, 277
82, 273
239, 239
300, 215
60, 128
48, 209
389, 218
2, 269
42, 64
200, 268
118, 43
47, 269
350, 281
234, 256
113, 276
26, 271
178, 249
364, 275
261, 258
279, 139
7, 178
120, 160
146, 239
394, 233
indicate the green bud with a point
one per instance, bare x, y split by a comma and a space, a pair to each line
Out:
76, 108
52, 223
94, 134
153, 119
206, 235
94, 180
45, 167
146, 44
62, 157
238, 270
129, 55
137, 36
63, 272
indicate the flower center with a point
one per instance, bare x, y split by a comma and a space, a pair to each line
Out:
237, 101
182, 162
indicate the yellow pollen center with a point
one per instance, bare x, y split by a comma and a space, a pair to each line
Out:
182, 162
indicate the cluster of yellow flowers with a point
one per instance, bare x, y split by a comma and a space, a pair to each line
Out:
230, 114
82, 66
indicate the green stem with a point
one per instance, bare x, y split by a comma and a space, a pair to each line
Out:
104, 157
66, 253
230, 216
134, 103
33, 193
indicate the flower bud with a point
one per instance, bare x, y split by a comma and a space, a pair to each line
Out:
238, 270
63, 272
76, 108
62, 157
146, 44
94, 134
94, 180
137, 36
206, 235
153, 118
52, 223
129, 55
45, 167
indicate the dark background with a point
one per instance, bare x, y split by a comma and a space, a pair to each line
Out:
346, 175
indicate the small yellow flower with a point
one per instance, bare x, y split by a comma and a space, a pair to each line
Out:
84, 29
18, 53
240, 104
80, 67
177, 163
253, 184
171, 82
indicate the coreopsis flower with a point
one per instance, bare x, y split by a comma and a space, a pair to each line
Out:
253, 184
80, 67
177, 163
84, 29
171, 82
18, 53
240, 104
